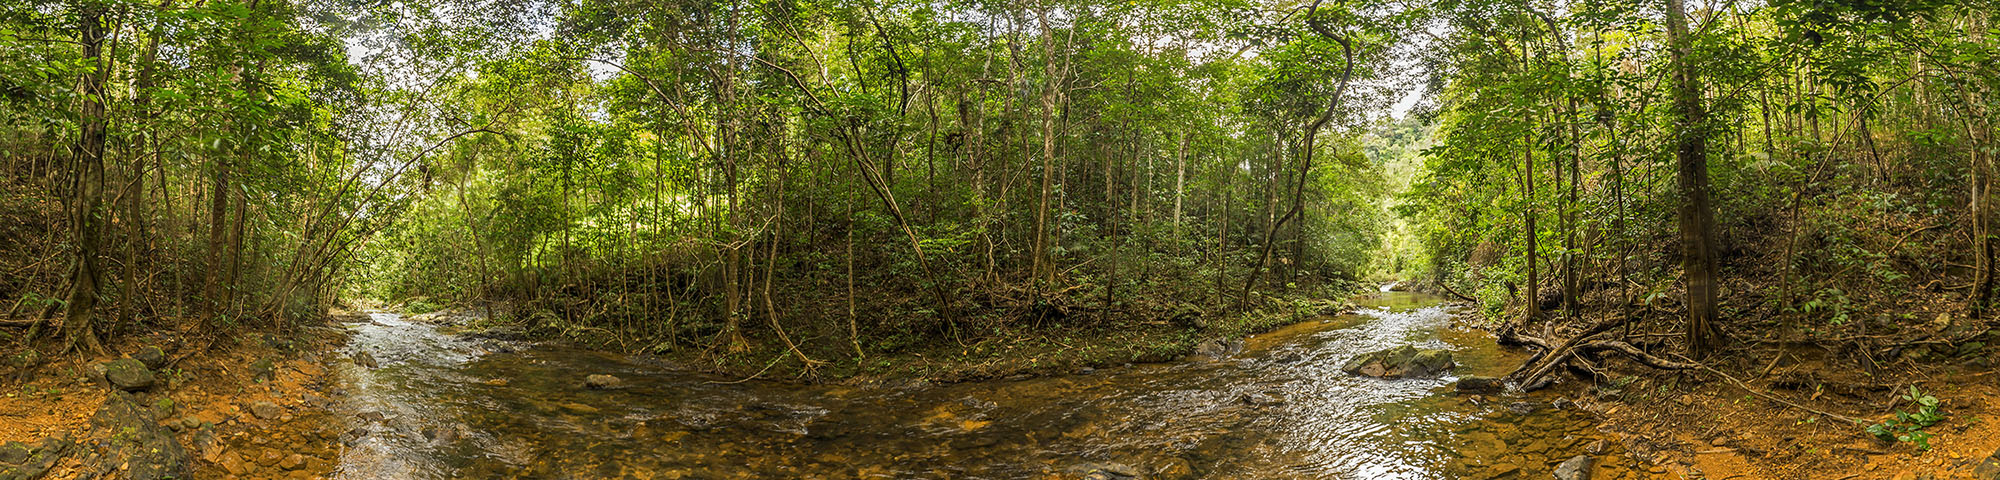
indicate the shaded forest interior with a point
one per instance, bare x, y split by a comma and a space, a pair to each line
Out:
819, 183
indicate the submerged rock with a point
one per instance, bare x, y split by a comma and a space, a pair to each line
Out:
1107, 471
1576, 468
135, 444
1401, 362
266, 410
603, 382
1478, 384
1261, 399
364, 359
128, 375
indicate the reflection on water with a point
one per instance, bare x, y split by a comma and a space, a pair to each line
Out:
440, 407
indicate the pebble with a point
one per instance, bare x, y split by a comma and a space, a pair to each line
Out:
266, 410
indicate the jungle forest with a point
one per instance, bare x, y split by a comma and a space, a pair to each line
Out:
1168, 239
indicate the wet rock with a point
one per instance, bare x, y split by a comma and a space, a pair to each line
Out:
1335, 309
134, 443
1988, 468
974, 442
270, 457
1107, 471
496, 382
441, 433
1261, 399
1523, 408
292, 462
1576, 468
128, 375
371, 416
1086, 371
1477, 384
1218, 348
603, 382
1401, 362
233, 463
1596, 448
266, 410
1502, 471
1175, 468
364, 359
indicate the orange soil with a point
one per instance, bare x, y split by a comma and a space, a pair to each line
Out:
217, 386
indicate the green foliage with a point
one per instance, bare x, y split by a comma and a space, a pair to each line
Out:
1908, 427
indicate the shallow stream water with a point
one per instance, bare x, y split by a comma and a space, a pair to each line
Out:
441, 406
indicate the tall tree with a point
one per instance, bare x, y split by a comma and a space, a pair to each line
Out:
87, 182
1697, 216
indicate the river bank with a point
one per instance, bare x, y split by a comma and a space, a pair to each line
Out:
382, 395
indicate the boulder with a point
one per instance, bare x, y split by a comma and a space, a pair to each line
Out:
1988, 468
1576, 468
1478, 384
152, 356
14, 453
135, 444
1218, 348
603, 382
128, 375
1401, 362
21, 461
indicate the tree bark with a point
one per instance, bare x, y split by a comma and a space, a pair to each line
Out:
1697, 217
87, 177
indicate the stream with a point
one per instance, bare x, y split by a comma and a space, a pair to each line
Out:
443, 406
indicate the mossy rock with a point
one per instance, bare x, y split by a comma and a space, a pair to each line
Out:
128, 375
135, 444
21, 461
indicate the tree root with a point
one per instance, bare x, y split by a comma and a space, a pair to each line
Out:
1576, 355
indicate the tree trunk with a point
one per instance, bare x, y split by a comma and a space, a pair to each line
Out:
1039, 266
87, 179
1180, 181
1697, 217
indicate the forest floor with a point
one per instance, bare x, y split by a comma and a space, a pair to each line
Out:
1701, 426
249, 405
